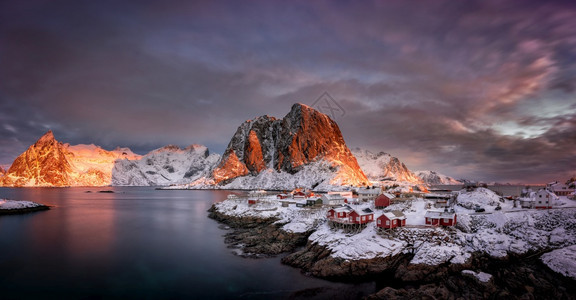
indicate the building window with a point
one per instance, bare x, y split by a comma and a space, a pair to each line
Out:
379, 221
387, 222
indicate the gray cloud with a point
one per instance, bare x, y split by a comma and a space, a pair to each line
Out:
475, 89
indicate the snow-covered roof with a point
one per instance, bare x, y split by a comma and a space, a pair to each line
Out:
364, 212
439, 214
395, 214
333, 196
547, 192
345, 208
369, 191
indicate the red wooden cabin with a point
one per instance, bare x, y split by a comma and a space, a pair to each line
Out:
391, 219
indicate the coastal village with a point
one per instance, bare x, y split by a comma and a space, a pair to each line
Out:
387, 208
435, 227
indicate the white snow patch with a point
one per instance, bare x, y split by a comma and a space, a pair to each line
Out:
562, 261
13, 204
481, 276
430, 254
366, 244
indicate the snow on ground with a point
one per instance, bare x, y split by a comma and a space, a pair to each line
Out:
295, 219
563, 201
415, 214
431, 254
482, 197
562, 261
481, 276
13, 204
366, 244
496, 233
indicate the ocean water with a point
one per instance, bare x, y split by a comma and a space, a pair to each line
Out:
138, 243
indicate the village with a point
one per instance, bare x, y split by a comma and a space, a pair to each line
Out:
435, 227
389, 209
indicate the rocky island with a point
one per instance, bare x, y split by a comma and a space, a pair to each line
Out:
11, 207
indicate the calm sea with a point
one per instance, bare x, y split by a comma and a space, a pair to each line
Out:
138, 243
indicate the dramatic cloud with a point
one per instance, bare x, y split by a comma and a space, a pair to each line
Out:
474, 89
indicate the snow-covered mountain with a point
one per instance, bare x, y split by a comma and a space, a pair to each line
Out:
304, 149
381, 166
165, 166
52, 163
435, 178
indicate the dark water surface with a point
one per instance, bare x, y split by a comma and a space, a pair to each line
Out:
137, 243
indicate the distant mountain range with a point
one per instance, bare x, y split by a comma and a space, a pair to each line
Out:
303, 149
165, 166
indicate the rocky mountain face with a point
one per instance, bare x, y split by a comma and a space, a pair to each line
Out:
52, 163
435, 178
382, 166
43, 164
305, 148
165, 166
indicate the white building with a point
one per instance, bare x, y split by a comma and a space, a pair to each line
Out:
369, 194
333, 199
544, 199
345, 194
560, 189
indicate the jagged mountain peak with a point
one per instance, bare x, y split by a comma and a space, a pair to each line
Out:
289, 145
46, 139
382, 166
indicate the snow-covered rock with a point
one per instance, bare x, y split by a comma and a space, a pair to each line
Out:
165, 166
482, 197
366, 244
382, 166
435, 178
7, 205
562, 261
480, 276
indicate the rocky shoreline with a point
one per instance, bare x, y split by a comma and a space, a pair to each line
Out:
257, 237
515, 277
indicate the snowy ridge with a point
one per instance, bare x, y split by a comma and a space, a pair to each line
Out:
317, 175
435, 178
381, 166
164, 166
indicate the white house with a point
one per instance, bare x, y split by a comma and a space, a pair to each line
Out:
332, 199
560, 189
369, 194
544, 199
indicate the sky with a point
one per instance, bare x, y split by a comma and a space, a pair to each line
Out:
483, 90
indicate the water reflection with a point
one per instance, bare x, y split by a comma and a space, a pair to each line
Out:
135, 243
